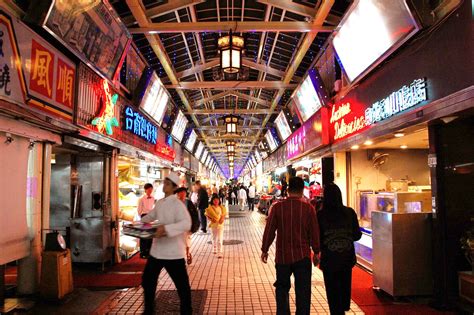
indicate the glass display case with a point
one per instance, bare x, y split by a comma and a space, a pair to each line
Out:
401, 202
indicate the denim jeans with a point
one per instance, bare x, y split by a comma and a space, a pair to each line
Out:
302, 272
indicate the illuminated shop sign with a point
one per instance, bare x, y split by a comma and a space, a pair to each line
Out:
295, 144
346, 120
313, 134
350, 117
165, 151
106, 119
403, 99
139, 125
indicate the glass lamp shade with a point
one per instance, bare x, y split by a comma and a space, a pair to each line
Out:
230, 48
231, 124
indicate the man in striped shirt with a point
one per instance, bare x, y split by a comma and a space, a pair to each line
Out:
295, 222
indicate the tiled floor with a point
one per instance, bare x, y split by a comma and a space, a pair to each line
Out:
236, 284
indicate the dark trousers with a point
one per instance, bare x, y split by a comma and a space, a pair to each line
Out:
177, 271
251, 203
145, 245
302, 272
203, 219
338, 290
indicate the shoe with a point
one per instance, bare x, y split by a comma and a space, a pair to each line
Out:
220, 255
214, 251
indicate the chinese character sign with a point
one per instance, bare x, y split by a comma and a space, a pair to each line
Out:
12, 85
398, 101
42, 69
64, 84
139, 125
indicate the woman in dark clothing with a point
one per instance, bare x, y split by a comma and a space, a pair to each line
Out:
339, 229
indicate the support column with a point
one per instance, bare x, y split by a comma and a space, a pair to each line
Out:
29, 268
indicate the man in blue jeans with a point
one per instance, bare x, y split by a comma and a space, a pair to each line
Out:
296, 226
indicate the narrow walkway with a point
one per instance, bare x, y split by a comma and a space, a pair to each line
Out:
236, 284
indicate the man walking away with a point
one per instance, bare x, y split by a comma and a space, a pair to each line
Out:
242, 198
169, 247
295, 223
145, 205
203, 203
339, 230
252, 194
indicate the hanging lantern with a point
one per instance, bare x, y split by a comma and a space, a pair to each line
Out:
231, 164
230, 48
230, 146
231, 158
231, 122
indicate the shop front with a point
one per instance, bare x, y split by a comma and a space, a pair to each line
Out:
386, 146
311, 136
36, 104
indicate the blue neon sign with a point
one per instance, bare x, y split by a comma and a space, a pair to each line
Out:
139, 125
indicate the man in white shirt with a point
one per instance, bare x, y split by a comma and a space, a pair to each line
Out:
169, 247
242, 197
145, 205
252, 194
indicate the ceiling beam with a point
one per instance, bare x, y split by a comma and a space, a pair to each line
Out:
162, 9
291, 7
222, 128
235, 26
211, 98
231, 111
208, 119
198, 68
138, 11
251, 98
230, 85
320, 17
245, 62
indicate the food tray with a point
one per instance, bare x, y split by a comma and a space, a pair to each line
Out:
140, 229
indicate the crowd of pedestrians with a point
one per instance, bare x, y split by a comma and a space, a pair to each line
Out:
320, 232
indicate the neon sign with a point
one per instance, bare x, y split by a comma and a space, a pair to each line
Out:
165, 151
403, 99
106, 119
139, 125
350, 117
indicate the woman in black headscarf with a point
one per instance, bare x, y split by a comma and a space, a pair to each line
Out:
339, 229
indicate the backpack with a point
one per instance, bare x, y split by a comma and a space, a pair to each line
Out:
195, 223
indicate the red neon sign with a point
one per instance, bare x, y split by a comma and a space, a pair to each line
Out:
165, 151
346, 118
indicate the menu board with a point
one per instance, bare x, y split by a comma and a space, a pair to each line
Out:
155, 99
199, 150
204, 156
257, 155
179, 126
282, 126
369, 32
191, 141
271, 140
94, 32
306, 99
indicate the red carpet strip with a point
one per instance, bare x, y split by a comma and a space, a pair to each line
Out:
372, 302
